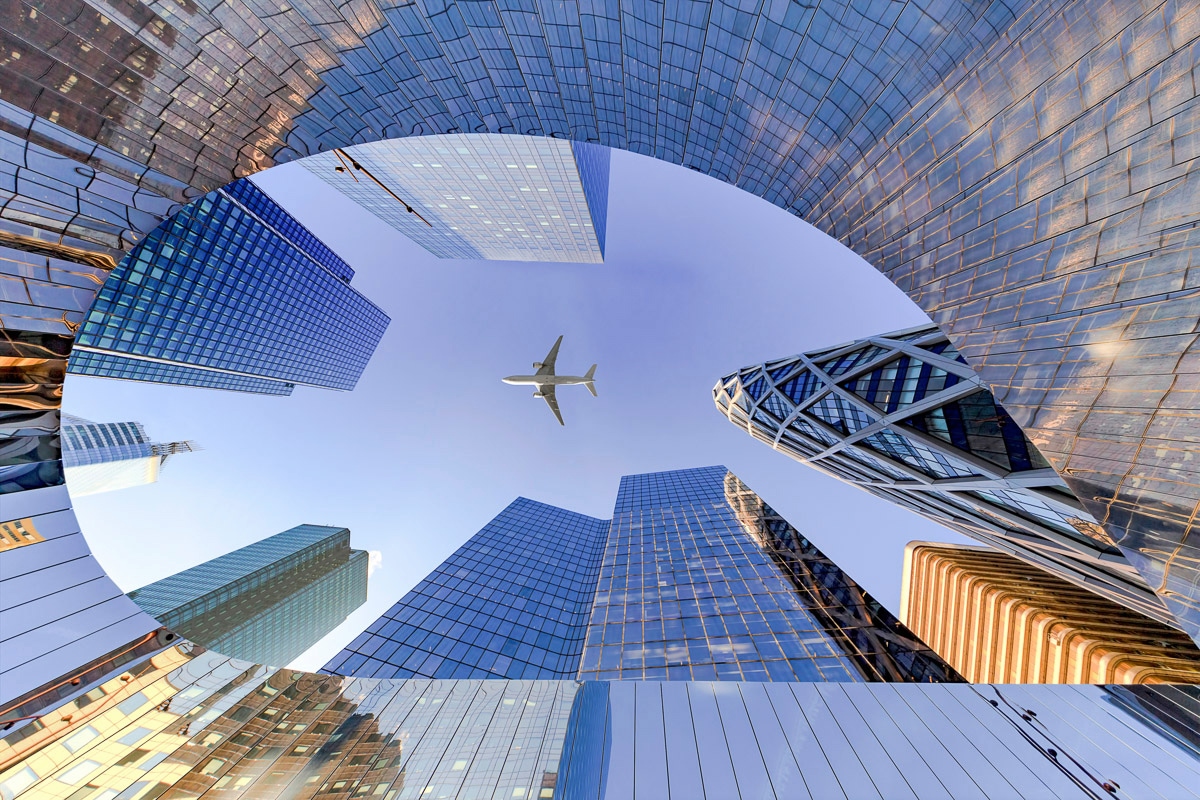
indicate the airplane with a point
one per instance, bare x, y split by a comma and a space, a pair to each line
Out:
545, 380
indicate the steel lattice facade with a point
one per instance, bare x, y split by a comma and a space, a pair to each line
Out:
902, 416
1022, 170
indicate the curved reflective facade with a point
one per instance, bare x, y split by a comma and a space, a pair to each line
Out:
182, 722
1022, 170
902, 416
1025, 171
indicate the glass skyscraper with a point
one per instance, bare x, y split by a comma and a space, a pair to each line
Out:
902, 416
1001, 163
512, 602
1024, 171
231, 293
269, 601
184, 722
475, 196
105, 456
694, 578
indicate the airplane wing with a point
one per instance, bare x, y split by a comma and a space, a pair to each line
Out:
547, 367
548, 395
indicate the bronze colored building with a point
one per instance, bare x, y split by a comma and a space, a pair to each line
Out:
998, 620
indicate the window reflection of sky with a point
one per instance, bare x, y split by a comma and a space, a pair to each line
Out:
698, 279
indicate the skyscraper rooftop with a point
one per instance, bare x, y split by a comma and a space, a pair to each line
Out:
105, 456
231, 293
503, 198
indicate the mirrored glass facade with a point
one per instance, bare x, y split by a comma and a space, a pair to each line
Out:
512, 602
477, 196
1022, 170
102, 457
902, 416
182, 722
231, 293
268, 601
694, 578
701, 580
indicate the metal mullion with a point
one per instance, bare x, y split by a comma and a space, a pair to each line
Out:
930, 357
916, 474
1050, 534
1079, 572
986, 468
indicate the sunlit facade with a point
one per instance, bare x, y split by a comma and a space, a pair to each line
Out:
1000, 620
902, 416
231, 293
1024, 171
184, 722
1002, 163
106, 456
268, 601
694, 578
475, 196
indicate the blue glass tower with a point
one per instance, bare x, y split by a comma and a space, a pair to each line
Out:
269, 601
231, 293
701, 580
513, 602
694, 578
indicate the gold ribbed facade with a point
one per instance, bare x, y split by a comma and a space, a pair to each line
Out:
998, 620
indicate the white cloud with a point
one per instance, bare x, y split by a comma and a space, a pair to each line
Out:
374, 561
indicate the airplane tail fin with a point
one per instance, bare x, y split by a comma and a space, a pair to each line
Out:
590, 382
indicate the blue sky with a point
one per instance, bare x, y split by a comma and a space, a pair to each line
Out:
699, 279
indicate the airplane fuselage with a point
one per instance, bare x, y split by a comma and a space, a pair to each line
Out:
544, 380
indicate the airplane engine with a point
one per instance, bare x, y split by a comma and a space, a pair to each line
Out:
537, 394
537, 365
